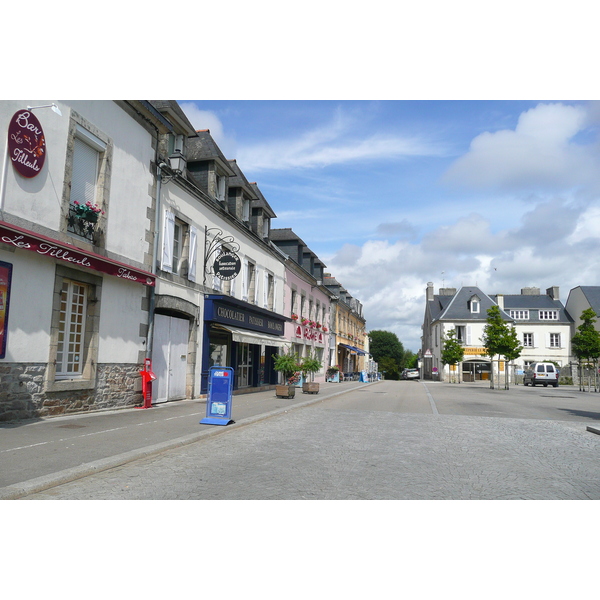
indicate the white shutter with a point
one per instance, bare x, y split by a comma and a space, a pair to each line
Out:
266, 290
275, 294
245, 281
168, 236
468, 335
256, 286
216, 281
193, 254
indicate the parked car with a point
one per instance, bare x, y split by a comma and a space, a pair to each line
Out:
543, 372
410, 374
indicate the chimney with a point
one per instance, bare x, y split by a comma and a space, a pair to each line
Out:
429, 293
500, 301
553, 292
530, 291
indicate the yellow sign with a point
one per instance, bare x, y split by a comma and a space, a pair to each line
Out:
474, 350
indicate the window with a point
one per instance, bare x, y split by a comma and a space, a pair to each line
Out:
519, 315
555, 340
250, 283
180, 242
293, 308
269, 291
548, 315
528, 340
177, 246
86, 180
460, 333
220, 185
245, 210
71, 330
474, 304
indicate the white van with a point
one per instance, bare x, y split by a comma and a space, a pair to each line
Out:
542, 372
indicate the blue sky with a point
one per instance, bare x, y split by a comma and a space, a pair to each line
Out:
393, 194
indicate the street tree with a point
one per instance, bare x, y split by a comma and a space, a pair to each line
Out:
453, 352
586, 343
386, 348
500, 340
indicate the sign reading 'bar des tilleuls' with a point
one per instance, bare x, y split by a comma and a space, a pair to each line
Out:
26, 143
227, 265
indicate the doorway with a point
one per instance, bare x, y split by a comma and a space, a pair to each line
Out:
169, 354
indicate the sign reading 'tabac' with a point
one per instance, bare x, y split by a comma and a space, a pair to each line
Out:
26, 143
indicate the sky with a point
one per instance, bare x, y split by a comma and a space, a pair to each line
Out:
392, 194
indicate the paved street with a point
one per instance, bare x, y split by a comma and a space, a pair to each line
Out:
391, 440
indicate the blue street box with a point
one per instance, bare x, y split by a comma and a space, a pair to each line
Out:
220, 392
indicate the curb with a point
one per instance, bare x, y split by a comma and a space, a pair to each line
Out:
45, 482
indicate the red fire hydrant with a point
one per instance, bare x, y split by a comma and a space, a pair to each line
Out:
147, 378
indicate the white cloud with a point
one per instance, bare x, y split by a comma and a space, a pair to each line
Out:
540, 153
333, 144
205, 119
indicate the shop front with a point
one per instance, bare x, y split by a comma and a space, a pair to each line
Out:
244, 337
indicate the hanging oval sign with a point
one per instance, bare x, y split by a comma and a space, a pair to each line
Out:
227, 265
26, 143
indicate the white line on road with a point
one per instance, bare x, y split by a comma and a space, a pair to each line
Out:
430, 398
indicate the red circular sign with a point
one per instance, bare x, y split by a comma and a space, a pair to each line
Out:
26, 143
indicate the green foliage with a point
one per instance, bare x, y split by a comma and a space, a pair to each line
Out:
499, 338
310, 364
453, 352
586, 342
287, 364
411, 360
386, 345
390, 367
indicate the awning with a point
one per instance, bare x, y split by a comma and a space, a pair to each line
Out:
353, 349
72, 255
251, 337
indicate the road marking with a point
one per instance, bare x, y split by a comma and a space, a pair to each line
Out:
430, 398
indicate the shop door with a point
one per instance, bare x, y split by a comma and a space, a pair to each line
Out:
245, 364
169, 357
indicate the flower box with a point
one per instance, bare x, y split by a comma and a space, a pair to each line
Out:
310, 387
285, 391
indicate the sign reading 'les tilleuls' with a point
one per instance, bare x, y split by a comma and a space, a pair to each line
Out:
26, 143
227, 265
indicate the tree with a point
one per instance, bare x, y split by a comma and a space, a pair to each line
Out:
586, 342
453, 352
499, 340
388, 351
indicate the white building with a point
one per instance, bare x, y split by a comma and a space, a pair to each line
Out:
542, 324
74, 312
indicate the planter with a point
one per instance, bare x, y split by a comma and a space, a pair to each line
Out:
285, 391
310, 387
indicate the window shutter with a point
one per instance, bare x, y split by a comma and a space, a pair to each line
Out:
193, 254
168, 237
266, 290
217, 283
468, 335
245, 281
85, 173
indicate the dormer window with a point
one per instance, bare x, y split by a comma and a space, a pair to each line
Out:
474, 304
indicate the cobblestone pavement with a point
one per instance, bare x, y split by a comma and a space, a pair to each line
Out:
322, 452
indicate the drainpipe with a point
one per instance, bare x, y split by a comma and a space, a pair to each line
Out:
152, 303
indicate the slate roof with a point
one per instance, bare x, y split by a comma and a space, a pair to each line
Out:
535, 303
592, 295
203, 147
261, 202
456, 308
239, 180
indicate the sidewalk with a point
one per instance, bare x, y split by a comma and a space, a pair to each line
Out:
39, 454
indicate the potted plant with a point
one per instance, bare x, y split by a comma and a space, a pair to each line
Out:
294, 317
310, 365
88, 211
332, 372
288, 365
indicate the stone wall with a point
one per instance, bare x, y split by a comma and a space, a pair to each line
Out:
22, 394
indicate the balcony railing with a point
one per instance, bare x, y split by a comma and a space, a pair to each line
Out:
83, 226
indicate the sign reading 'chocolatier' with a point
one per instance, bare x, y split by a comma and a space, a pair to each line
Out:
26, 143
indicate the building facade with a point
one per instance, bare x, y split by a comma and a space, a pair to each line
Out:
542, 324
75, 271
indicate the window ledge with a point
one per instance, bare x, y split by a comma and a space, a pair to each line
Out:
67, 385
